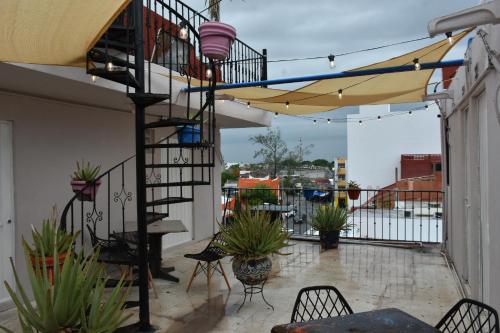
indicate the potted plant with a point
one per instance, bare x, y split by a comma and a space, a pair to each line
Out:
330, 221
353, 190
250, 239
50, 246
216, 37
84, 181
76, 301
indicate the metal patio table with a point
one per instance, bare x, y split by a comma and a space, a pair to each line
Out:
377, 321
156, 231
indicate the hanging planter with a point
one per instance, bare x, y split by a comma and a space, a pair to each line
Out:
353, 190
84, 181
188, 134
216, 39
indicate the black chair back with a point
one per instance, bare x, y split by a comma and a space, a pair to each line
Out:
470, 316
319, 302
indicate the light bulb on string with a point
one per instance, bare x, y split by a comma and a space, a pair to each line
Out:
287, 104
248, 105
379, 118
314, 121
209, 73
449, 35
439, 115
109, 66
410, 113
93, 78
360, 122
417, 64
328, 120
340, 93
331, 59
427, 107
276, 115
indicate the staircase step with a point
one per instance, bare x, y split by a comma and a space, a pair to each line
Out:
179, 165
153, 217
168, 201
100, 56
120, 76
179, 145
185, 183
148, 99
118, 32
115, 45
170, 122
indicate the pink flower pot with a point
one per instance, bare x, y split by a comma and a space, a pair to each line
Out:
89, 192
216, 39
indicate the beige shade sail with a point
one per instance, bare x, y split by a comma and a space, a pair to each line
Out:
322, 95
53, 32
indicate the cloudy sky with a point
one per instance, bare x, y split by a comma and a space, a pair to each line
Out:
293, 28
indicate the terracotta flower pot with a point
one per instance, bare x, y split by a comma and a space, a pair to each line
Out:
216, 39
353, 194
89, 192
49, 264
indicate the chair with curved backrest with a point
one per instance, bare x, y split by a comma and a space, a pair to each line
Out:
209, 261
470, 316
319, 302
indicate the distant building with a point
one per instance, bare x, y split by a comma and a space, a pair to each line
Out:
341, 182
417, 165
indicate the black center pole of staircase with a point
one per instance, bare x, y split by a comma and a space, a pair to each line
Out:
142, 229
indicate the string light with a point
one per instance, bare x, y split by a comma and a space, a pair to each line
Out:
248, 105
340, 93
276, 115
449, 35
314, 121
409, 112
379, 118
109, 66
209, 73
183, 32
287, 104
417, 64
331, 59
360, 122
426, 107
439, 116
328, 120
93, 78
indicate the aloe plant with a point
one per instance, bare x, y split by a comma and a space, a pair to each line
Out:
330, 218
51, 238
252, 236
73, 302
86, 172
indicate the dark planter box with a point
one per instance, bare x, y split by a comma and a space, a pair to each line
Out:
329, 240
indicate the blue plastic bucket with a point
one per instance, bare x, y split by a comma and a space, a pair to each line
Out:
188, 134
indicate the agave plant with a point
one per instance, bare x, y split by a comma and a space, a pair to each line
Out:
252, 236
353, 185
330, 218
86, 172
73, 302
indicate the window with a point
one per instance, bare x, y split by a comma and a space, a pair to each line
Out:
436, 167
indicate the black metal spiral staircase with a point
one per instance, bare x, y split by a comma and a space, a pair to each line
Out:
142, 39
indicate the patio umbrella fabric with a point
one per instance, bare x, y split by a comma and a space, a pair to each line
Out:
53, 32
322, 95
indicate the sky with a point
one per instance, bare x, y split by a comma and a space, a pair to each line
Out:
293, 28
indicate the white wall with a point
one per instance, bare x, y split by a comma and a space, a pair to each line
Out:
374, 148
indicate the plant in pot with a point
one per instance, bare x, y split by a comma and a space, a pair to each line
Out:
353, 190
50, 246
330, 221
84, 181
76, 301
216, 37
250, 239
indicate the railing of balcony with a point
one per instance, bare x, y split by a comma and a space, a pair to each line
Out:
385, 215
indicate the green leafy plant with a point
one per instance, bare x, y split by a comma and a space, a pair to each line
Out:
253, 236
86, 172
50, 238
330, 218
353, 185
74, 301
259, 194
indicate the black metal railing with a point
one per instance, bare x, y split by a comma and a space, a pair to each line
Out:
388, 215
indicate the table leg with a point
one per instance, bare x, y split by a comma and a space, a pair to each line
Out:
155, 260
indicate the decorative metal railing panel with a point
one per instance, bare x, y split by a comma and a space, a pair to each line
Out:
388, 215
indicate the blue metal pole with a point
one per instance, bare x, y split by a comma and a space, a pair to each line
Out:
375, 71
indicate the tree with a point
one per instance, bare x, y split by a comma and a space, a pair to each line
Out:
321, 163
272, 149
232, 173
258, 195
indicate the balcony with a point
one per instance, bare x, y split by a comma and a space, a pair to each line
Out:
417, 281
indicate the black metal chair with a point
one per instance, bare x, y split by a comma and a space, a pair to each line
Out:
470, 316
319, 302
209, 261
115, 252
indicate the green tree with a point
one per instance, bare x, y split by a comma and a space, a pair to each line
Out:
321, 163
272, 149
230, 174
258, 195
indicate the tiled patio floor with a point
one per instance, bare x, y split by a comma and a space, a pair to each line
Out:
417, 281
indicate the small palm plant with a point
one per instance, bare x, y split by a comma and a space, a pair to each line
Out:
74, 301
250, 239
330, 221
